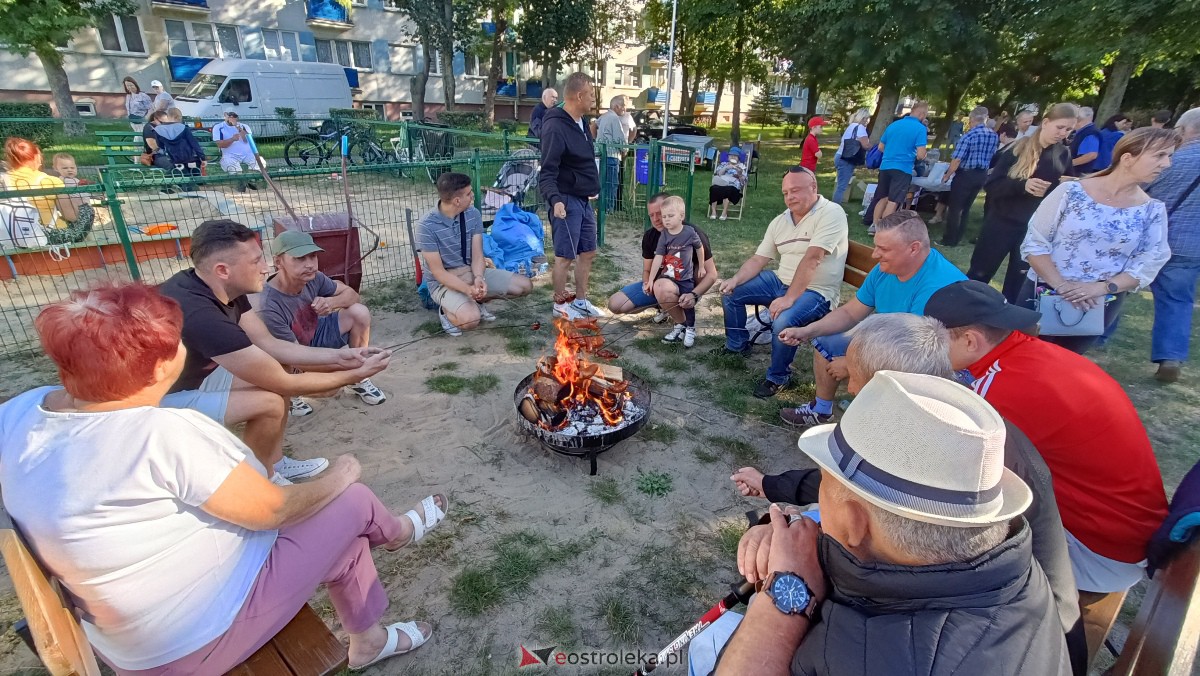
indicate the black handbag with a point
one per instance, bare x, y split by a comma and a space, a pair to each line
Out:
852, 150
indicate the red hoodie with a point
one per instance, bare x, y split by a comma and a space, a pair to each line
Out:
1106, 479
808, 152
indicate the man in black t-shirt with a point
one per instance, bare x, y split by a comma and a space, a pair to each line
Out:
233, 372
666, 296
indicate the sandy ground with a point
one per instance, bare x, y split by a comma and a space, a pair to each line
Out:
656, 555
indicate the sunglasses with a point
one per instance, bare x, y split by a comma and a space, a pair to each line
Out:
800, 170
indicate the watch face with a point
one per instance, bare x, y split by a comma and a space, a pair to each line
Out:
790, 593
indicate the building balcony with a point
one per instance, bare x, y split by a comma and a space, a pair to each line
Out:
199, 7
333, 14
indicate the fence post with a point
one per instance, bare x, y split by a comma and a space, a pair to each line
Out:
602, 208
114, 205
475, 177
505, 141
687, 201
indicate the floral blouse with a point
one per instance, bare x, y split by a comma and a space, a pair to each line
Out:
1089, 241
732, 174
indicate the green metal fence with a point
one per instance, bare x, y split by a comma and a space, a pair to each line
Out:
144, 220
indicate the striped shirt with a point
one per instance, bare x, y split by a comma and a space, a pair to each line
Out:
1183, 224
975, 149
441, 235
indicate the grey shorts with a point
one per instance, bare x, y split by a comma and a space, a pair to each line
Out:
498, 283
212, 399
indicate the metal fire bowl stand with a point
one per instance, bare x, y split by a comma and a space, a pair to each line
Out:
584, 445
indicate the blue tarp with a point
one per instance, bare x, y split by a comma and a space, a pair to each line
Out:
517, 236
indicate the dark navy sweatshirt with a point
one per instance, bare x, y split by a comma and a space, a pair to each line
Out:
568, 159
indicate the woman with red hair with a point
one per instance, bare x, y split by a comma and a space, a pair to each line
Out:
180, 555
66, 218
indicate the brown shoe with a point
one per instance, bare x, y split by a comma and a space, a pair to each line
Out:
1168, 371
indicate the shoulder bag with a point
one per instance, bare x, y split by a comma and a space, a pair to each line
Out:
852, 150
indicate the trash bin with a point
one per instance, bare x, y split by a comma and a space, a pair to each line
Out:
341, 259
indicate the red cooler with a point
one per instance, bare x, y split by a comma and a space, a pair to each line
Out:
342, 258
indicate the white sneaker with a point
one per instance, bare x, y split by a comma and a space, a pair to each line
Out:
676, 334
291, 468
871, 229
366, 390
723, 217
661, 317
689, 337
568, 310
585, 308
300, 408
278, 480
485, 314
447, 326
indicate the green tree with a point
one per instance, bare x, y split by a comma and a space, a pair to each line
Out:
554, 32
41, 27
765, 110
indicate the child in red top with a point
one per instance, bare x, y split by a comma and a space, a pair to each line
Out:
811, 152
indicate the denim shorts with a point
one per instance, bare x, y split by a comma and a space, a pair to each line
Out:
212, 399
638, 297
329, 333
832, 346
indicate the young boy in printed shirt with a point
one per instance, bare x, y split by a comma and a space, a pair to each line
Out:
674, 258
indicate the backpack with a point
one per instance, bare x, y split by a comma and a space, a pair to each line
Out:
874, 157
20, 222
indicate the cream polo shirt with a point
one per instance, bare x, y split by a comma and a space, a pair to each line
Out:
824, 226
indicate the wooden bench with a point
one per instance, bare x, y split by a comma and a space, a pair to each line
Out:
122, 148
1165, 633
858, 264
305, 647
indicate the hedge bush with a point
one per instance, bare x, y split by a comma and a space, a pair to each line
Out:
40, 133
509, 126
463, 120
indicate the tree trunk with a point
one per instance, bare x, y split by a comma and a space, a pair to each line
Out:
712, 123
955, 89
684, 71
885, 112
735, 134
448, 82
419, 83
1114, 86
495, 68
60, 89
696, 100
814, 97
739, 72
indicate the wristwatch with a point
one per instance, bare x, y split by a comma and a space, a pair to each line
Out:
791, 595
1112, 287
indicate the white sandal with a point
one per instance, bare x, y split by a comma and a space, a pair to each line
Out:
393, 639
422, 524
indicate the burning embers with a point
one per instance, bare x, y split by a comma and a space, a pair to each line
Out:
573, 396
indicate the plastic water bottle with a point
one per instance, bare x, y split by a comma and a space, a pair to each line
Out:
543, 268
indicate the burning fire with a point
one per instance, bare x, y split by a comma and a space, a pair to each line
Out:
568, 388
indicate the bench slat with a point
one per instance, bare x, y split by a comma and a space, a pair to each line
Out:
1167, 628
308, 647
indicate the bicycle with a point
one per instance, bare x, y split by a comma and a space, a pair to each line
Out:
305, 152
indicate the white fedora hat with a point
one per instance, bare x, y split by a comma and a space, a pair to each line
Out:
922, 447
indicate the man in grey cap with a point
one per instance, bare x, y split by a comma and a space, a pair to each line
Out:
302, 305
922, 563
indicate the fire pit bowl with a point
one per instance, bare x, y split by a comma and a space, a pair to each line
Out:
584, 445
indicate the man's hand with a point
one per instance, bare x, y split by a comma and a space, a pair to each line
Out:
323, 306
794, 335
374, 364
560, 210
687, 301
699, 274
346, 468
793, 548
648, 288
837, 368
753, 550
1036, 187
728, 286
946, 177
779, 305
479, 288
349, 358
749, 482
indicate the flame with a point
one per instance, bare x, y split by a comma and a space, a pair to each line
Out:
573, 370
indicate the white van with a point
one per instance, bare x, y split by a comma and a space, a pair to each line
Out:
255, 88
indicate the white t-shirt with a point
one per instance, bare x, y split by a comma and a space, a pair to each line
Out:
855, 131
628, 125
238, 150
109, 504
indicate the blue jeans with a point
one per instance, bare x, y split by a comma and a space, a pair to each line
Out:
845, 173
612, 178
1174, 300
761, 290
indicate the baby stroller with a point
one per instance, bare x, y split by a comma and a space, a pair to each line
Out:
516, 178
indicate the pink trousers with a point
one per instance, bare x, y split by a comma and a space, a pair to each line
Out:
332, 547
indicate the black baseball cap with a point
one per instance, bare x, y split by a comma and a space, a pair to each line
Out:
972, 302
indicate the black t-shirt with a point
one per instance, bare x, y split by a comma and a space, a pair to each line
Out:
650, 245
210, 327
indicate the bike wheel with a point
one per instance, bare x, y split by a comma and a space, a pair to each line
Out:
303, 153
365, 152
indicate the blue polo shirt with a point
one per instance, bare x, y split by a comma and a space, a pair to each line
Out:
900, 142
886, 293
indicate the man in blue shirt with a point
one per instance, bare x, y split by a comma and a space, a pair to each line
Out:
1175, 287
903, 143
908, 273
1085, 145
968, 167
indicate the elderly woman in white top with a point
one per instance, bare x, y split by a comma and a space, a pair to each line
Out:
728, 182
177, 552
1094, 240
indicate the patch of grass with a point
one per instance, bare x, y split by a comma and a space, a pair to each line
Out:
606, 490
676, 363
742, 453
447, 366
655, 484
451, 384
467, 349
428, 328
619, 615
558, 625
394, 296
654, 345
517, 558
704, 455
663, 432
517, 340
727, 536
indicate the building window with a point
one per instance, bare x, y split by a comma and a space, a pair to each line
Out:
627, 76
362, 55
345, 54
281, 45
392, 4
121, 34
473, 65
435, 65
190, 38
229, 42
86, 107
359, 3
379, 108
404, 59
